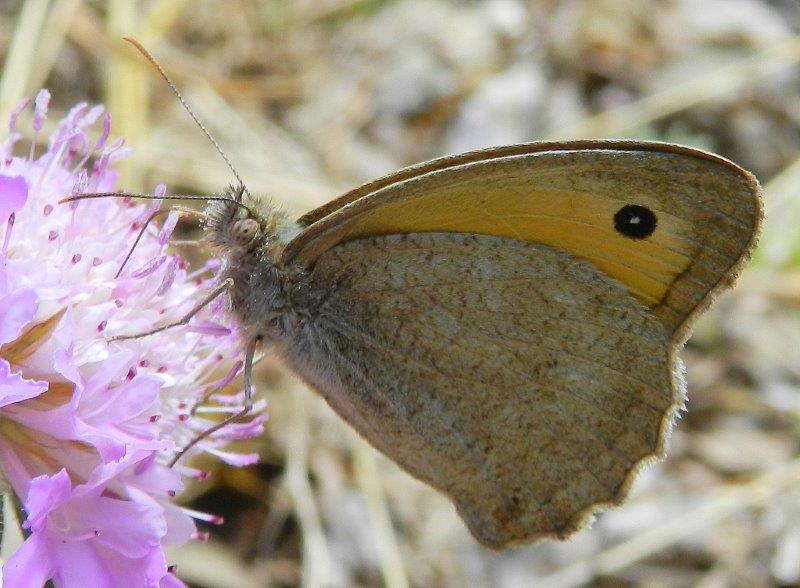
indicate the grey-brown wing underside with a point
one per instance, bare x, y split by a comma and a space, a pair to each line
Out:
516, 379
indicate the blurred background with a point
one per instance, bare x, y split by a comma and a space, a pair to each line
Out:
309, 98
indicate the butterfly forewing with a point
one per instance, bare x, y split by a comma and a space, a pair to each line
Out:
582, 198
517, 379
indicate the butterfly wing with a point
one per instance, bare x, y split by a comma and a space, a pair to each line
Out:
504, 324
517, 379
706, 213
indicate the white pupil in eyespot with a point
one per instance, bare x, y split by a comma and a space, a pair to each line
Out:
635, 220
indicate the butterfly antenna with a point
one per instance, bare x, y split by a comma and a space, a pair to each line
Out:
185, 104
95, 195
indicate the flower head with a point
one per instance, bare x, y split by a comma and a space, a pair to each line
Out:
88, 425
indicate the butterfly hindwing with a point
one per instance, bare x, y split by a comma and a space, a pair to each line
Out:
515, 378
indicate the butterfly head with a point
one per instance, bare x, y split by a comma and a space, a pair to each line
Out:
248, 225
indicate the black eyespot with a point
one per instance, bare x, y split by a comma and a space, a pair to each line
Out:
634, 221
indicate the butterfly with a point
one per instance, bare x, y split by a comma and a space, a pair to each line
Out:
503, 324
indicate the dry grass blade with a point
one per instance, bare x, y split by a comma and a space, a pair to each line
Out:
212, 566
127, 88
19, 62
159, 18
780, 240
54, 33
317, 565
704, 88
726, 502
369, 481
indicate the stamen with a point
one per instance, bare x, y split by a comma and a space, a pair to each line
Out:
204, 516
149, 268
39, 115
10, 225
142, 229
101, 141
18, 109
169, 277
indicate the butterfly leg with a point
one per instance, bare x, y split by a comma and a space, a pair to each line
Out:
248, 402
221, 289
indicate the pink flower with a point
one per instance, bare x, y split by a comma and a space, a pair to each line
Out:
88, 426
80, 536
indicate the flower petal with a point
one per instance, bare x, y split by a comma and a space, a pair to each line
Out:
17, 310
78, 564
15, 388
13, 195
45, 494
170, 581
30, 566
130, 528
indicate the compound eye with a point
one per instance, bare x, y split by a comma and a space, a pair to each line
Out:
245, 231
